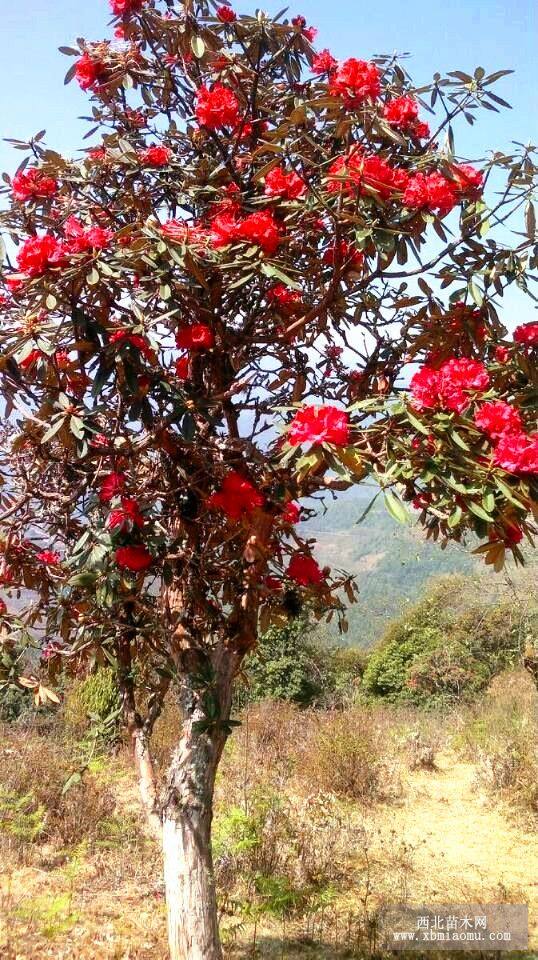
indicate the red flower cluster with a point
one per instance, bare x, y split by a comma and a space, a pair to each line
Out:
155, 156
450, 387
225, 14
497, 418
38, 254
126, 517
237, 497
324, 62
305, 570
123, 8
430, 191
136, 557
82, 239
517, 453
183, 368
402, 113
292, 513
355, 81
33, 185
289, 186
316, 425
469, 181
286, 300
49, 557
309, 32
258, 228
89, 71
527, 334
112, 486
217, 107
136, 340
371, 171
197, 336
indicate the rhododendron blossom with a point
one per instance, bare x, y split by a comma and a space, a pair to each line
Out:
38, 254
89, 71
451, 387
356, 171
217, 107
517, 453
123, 8
402, 113
259, 228
49, 557
430, 191
135, 558
278, 183
112, 485
81, 239
136, 340
285, 299
237, 497
155, 156
324, 62
198, 336
125, 517
355, 81
225, 14
497, 418
33, 184
323, 424
527, 334
305, 570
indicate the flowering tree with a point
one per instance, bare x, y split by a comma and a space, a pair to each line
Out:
270, 279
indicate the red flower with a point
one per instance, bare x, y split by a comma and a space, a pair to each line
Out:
85, 239
271, 582
33, 185
355, 81
448, 388
155, 156
217, 107
182, 232
369, 171
527, 333
123, 8
37, 254
126, 517
3, 608
430, 191
309, 32
134, 558
89, 71
32, 358
278, 183
183, 368
49, 557
225, 14
469, 181
305, 570
324, 62
402, 113
286, 300
137, 341
517, 453
237, 497
512, 534
292, 513
502, 354
318, 425
497, 418
112, 485
261, 229
197, 336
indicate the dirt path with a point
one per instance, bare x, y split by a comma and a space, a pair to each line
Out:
462, 847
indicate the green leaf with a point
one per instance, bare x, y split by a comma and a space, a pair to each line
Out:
479, 511
52, 431
395, 507
270, 270
198, 47
417, 424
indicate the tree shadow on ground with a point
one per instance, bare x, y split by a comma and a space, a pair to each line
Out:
274, 948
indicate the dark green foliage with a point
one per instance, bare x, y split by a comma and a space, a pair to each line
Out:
284, 666
447, 646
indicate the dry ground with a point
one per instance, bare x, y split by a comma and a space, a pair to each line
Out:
441, 840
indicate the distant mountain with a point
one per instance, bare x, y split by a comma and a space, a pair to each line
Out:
392, 562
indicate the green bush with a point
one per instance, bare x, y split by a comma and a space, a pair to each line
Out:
284, 666
95, 702
447, 647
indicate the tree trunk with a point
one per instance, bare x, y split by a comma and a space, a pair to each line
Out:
187, 812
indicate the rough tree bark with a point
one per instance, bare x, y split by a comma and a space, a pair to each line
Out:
187, 811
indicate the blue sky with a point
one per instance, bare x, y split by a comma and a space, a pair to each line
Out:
461, 34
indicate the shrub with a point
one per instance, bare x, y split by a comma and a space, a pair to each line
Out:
94, 701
